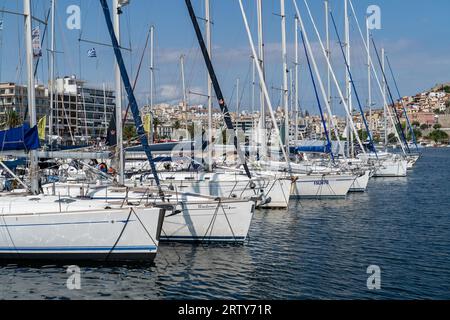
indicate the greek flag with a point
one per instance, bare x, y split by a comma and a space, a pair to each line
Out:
92, 53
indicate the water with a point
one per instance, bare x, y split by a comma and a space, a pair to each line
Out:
316, 250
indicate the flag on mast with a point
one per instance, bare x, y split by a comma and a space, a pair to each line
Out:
41, 127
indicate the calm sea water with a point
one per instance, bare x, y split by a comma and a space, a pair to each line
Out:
315, 250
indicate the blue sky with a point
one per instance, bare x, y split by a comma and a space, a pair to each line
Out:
415, 34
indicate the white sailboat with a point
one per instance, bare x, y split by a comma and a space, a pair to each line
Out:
53, 228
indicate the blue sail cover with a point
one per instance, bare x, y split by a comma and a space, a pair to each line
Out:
22, 138
312, 149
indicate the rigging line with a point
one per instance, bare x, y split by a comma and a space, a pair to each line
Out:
216, 85
399, 125
372, 144
131, 97
413, 134
317, 98
137, 77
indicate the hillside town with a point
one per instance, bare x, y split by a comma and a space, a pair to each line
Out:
84, 112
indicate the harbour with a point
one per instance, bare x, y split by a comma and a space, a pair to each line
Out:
316, 250
332, 186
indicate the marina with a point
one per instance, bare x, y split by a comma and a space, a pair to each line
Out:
317, 250
243, 195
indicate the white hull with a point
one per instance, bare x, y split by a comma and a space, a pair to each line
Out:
41, 230
361, 183
194, 218
209, 222
274, 192
325, 186
392, 168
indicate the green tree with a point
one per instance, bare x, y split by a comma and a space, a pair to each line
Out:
424, 126
438, 136
392, 138
437, 126
363, 135
13, 119
156, 124
177, 125
129, 132
415, 124
417, 133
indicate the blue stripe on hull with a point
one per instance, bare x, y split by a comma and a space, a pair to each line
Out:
202, 239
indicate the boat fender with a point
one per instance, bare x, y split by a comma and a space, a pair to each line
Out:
103, 167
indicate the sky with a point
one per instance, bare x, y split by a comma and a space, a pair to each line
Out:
414, 33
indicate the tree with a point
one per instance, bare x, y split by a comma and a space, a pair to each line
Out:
417, 133
437, 126
363, 135
12, 119
392, 138
438, 136
424, 126
177, 125
129, 132
156, 124
415, 124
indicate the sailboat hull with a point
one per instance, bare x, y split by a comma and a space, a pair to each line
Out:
392, 168
93, 236
323, 186
361, 183
209, 222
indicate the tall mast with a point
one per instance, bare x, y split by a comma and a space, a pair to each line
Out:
296, 79
327, 28
118, 85
183, 86
261, 61
52, 71
152, 77
105, 117
285, 74
209, 48
369, 75
386, 140
237, 105
152, 65
348, 88
31, 93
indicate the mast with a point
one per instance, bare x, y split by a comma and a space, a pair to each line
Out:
328, 49
237, 105
104, 110
260, 60
183, 86
219, 94
285, 74
369, 74
152, 76
263, 84
296, 79
118, 85
386, 140
34, 168
209, 82
348, 88
52, 71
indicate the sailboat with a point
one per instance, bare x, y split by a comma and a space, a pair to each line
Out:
37, 227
